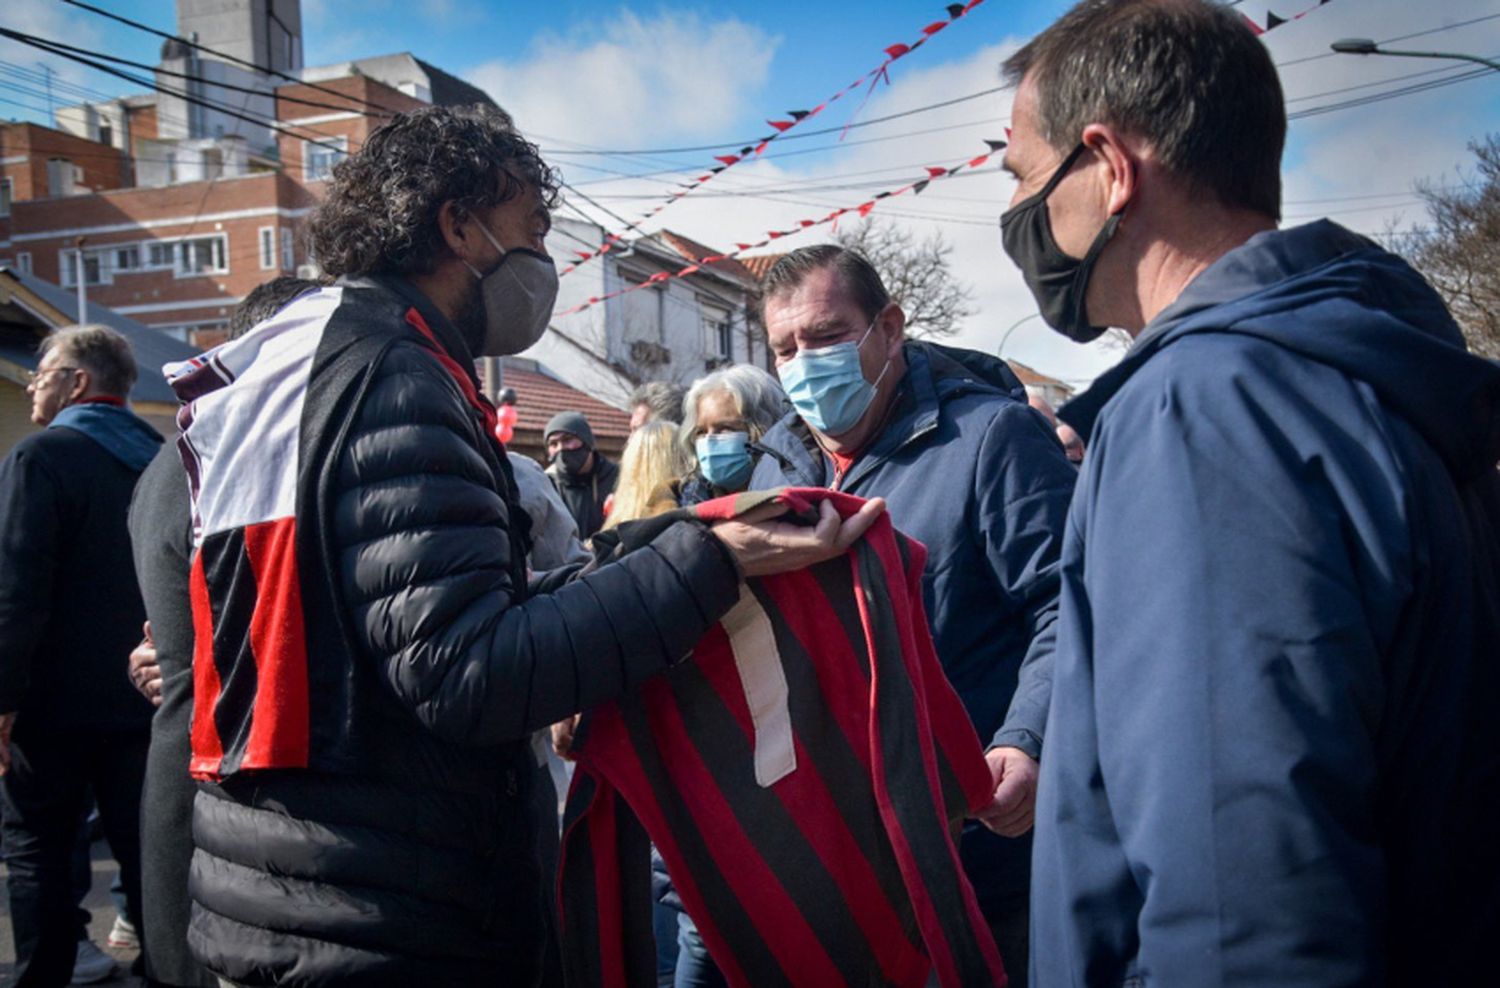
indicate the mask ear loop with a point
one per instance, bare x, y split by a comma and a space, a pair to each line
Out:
493, 243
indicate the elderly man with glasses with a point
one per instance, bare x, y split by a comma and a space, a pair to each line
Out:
70, 612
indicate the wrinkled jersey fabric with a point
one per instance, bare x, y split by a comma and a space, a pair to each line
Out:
801, 777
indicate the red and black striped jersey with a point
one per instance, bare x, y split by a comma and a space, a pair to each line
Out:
801, 775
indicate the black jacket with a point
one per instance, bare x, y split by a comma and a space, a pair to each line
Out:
417, 865
585, 496
70, 611
161, 538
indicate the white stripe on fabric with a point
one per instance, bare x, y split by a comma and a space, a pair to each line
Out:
758, 661
246, 433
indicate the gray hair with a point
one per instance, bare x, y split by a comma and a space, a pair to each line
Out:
756, 395
1188, 76
101, 351
662, 397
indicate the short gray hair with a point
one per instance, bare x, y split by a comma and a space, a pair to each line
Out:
662, 397
101, 351
1188, 76
756, 395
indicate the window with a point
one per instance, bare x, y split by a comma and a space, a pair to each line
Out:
23, 261
267, 248
127, 258
63, 177
6, 187
319, 157
106, 134
93, 268
202, 255
719, 342
288, 253
160, 255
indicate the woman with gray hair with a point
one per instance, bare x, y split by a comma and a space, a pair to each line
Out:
723, 417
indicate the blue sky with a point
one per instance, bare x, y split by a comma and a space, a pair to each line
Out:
633, 76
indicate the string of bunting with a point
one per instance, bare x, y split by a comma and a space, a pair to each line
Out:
1274, 20
934, 173
956, 11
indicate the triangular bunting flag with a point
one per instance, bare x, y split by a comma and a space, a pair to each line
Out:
782, 125
896, 51
934, 28
1253, 26
955, 10
1273, 22
976, 162
797, 115
935, 171
728, 159
743, 246
919, 186
996, 145
864, 209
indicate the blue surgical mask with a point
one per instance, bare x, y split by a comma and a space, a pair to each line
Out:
724, 459
827, 386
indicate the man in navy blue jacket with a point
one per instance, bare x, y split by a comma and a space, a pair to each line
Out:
967, 468
70, 612
1273, 756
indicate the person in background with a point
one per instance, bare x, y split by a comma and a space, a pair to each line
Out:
583, 476
161, 667
1273, 756
652, 462
554, 533
1072, 443
655, 401
725, 414
70, 612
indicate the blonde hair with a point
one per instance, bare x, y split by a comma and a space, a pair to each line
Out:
651, 462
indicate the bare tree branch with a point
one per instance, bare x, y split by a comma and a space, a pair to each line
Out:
1459, 250
916, 274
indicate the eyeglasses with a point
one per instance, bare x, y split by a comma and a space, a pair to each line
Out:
32, 377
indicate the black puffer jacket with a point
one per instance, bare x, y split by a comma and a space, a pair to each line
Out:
419, 868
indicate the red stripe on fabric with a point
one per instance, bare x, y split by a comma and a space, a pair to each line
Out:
460, 376
208, 748
882, 540
812, 808
607, 732
602, 824
279, 720
792, 942
805, 608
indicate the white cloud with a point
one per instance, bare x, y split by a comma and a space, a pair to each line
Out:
55, 22
631, 78
1357, 152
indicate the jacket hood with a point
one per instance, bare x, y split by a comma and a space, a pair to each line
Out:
127, 436
1335, 297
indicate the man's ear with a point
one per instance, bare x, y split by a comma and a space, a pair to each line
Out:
454, 222
83, 382
1122, 159
892, 325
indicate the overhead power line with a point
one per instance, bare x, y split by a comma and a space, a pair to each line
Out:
271, 93
263, 69
153, 84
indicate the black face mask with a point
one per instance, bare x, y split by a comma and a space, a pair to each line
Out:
1057, 281
570, 461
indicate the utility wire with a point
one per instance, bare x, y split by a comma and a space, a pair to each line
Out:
264, 70
271, 93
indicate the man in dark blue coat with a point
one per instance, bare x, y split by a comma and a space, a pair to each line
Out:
70, 612
1272, 756
967, 468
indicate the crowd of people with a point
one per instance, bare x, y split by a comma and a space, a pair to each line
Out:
1226, 626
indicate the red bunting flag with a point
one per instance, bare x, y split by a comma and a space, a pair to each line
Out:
892, 53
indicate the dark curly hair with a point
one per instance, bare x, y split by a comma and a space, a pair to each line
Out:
380, 215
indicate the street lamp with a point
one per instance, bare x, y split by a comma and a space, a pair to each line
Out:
1000, 350
1364, 46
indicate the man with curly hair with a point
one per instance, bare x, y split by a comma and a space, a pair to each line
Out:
371, 652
